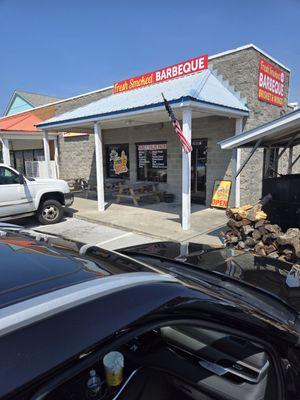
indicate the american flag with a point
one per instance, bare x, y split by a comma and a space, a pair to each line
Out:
187, 147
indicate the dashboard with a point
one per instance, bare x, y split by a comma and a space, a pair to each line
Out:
183, 362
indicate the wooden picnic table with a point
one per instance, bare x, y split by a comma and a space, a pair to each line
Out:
138, 190
111, 187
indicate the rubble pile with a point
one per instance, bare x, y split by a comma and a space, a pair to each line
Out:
250, 230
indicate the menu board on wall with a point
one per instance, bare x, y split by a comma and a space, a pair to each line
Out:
153, 154
151, 161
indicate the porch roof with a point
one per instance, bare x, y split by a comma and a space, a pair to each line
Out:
25, 122
276, 133
203, 89
21, 126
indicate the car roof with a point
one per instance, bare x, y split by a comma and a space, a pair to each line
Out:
273, 277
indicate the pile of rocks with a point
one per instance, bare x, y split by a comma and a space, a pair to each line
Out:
250, 230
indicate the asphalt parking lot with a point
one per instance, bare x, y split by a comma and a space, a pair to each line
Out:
87, 232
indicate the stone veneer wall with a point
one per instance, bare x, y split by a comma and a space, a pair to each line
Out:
75, 157
241, 69
215, 129
283, 161
76, 153
80, 101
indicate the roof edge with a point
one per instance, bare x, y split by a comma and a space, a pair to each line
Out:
13, 96
250, 135
248, 46
95, 117
25, 134
20, 91
58, 101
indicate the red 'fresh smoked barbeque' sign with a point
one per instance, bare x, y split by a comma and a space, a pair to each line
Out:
270, 83
173, 71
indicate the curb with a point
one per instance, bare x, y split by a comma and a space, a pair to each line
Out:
139, 232
110, 225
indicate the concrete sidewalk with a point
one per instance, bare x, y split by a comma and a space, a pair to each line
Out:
91, 233
159, 220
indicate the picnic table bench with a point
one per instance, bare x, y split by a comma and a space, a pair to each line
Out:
137, 191
112, 185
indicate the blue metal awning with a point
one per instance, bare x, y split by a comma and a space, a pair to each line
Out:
202, 88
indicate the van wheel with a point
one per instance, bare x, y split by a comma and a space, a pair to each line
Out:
50, 212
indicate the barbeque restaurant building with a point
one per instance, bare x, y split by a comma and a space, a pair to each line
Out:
215, 97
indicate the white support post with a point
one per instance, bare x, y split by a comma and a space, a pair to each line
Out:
99, 166
47, 152
236, 163
56, 156
5, 151
186, 172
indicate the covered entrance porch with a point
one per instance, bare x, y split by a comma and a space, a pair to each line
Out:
157, 220
138, 123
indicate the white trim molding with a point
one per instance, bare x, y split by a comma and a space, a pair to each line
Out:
26, 135
248, 46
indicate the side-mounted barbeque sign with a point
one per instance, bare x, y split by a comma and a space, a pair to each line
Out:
271, 81
184, 68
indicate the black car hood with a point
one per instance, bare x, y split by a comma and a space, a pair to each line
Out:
29, 268
277, 278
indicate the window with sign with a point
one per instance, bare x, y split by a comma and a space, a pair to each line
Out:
117, 160
152, 162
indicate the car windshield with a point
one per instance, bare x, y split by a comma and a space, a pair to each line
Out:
264, 274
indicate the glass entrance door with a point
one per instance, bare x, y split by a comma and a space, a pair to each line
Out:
198, 171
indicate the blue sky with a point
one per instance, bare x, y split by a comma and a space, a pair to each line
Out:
67, 47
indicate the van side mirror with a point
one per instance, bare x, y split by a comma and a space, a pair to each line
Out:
21, 179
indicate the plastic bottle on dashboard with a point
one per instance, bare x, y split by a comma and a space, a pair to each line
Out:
93, 385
